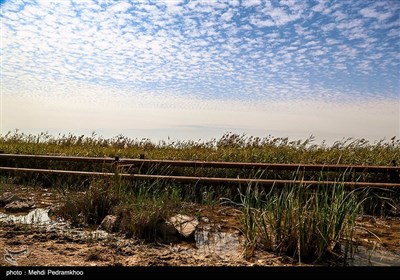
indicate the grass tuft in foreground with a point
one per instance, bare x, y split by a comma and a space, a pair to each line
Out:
310, 223
140, 207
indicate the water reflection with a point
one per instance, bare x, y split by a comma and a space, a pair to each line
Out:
366, 257
219, 243
207, 242
39, 217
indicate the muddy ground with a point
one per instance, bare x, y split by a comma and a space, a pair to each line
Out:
51, 250
58, 245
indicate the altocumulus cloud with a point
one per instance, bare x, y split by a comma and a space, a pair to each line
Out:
202, 56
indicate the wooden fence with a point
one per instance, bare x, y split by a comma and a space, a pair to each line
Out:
389, 172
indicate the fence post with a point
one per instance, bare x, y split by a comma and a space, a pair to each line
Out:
143, 167
394, 174
116, 165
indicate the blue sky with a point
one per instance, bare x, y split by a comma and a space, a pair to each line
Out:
196, 69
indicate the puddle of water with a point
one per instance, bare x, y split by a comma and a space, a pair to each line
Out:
82, 234
229, 244
366, 257
219, 243
37, 216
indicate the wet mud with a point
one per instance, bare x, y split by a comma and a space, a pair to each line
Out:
38, 238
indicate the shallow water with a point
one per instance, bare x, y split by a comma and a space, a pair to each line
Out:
219, 243
378, 257
230, 244
227, 244
208, 241
37, 216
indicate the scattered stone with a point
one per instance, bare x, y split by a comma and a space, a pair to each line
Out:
19, 206
109, 223
96, 253
167, 232
126, 251
185, 225
6, 198
205, 219
54, 209
14, 203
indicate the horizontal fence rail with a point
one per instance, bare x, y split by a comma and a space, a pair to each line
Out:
212, 164
60, 158
393, 171
209, 180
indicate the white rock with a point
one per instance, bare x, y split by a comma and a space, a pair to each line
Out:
185, 225
108, 223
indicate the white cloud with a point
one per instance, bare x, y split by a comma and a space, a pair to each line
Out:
250, 3
321, 7
227, 16
370, 12
208, 51
119, 7
373, 120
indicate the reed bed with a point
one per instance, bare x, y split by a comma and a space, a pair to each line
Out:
230, 147
309, 223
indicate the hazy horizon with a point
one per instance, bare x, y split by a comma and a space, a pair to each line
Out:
157, 136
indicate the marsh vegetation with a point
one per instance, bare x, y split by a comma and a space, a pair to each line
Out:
312, 224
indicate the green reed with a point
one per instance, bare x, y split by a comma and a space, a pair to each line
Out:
230, 147
311, 223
